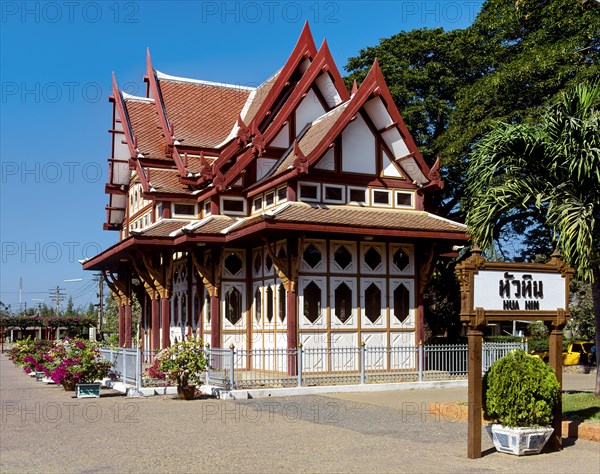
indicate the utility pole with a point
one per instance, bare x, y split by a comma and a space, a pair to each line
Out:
100, 302
57, 295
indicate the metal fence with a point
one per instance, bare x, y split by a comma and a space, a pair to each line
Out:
261, 368
127, 364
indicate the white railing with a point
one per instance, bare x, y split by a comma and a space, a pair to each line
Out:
256, 368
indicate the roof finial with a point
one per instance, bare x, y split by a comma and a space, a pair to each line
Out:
354, 88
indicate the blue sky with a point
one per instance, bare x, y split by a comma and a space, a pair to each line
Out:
55, 71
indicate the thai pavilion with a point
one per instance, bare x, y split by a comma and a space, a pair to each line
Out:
266, 217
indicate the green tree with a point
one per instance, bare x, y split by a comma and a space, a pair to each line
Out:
452, 87
111, 316
550, 169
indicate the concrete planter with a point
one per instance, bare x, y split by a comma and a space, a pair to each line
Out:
519, 441
87, 390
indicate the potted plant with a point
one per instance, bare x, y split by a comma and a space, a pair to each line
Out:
182, 362
80, 366
520, 393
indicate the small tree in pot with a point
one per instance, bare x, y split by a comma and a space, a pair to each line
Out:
520, 393
183, 362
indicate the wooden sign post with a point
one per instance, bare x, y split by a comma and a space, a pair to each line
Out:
497, 291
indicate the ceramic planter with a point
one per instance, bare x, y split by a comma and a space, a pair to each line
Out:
87, 390
187, 392
519, 441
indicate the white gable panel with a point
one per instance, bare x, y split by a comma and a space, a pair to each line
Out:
358, 148
378, 113
327, 162
328, 90
389, 169
414, 171
304, 65
309, 109
263, 166
394, 140
121, 173
282, 140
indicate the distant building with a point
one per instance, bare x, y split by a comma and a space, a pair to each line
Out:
271, 216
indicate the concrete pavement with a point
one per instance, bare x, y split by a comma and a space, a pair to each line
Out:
44, 429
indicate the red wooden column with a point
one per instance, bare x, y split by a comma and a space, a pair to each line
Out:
155, 322
292, 330
215, 320
121, 325
165, 302
127, 324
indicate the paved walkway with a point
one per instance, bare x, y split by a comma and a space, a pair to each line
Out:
44, 429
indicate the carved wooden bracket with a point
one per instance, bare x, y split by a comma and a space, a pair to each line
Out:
206, 272
300, 162
161, 277
146, 280
118, 289
287, 268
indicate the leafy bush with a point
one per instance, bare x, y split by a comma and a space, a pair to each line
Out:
181, 362
520, 390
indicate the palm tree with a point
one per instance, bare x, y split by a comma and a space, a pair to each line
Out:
551, 169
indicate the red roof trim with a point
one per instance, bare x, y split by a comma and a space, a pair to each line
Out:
123, 116
322, 60
160, 106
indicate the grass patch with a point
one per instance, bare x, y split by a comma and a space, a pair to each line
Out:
581, 406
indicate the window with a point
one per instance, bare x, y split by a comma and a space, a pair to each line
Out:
373, 303
233, 205
312, 256
269, 199
309, 192
233, 263
159, 208
381, 197
184, 209
400, 259
257, 263
343, 257
282, 194
357, 196
257, 204
401, 303
404, 199
233, 305
207, 208
282, 302
372, 258
312, 302
257, 305
269, 297
343, 302
334, 194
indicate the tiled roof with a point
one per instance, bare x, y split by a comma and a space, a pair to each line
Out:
146, 129
167, 181
162, 228
203, 114
311, 138
214, 225
360, 217
260, 96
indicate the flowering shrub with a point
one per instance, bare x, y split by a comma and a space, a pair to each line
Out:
38, 358
182, 362
78, 361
